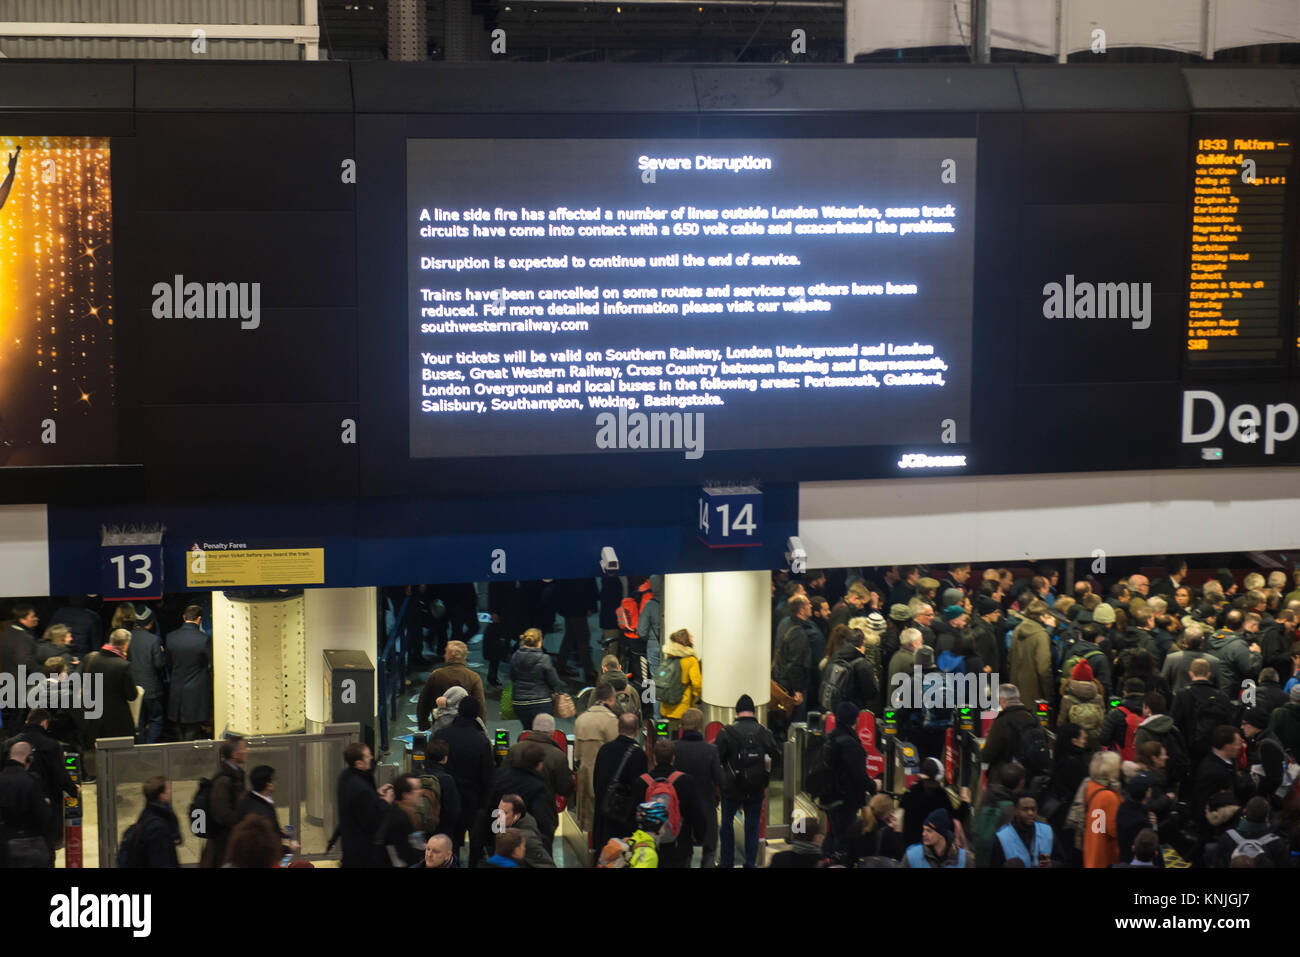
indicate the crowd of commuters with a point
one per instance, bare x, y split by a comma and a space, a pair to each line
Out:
1138, 724
134, 662
93, 664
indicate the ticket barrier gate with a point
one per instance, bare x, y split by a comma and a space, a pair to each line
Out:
902, 760
415, 757
72, 813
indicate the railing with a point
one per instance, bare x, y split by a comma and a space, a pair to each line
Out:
306, 766
391, 663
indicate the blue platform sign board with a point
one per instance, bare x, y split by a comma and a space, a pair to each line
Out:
131, 572
730, 517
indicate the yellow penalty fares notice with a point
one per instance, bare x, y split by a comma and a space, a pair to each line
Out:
255, 566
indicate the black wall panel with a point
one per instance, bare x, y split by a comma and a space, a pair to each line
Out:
1104, 158
301, 259
295, 355
243, 161
243, 451
1128, 244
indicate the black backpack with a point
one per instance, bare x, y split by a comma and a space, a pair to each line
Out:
823, 780
748, 765
835, 686
202, 801
130, 853
783, 665
1216, 710
1179, 762
1033, 751
618, 802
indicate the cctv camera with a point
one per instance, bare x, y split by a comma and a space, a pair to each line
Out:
608, 561
796, 556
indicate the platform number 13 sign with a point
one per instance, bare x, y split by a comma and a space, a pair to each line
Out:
131, 572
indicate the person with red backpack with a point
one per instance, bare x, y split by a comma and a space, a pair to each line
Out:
640, 620
1119, 731
678, 793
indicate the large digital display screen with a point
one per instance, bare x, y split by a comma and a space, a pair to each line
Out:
57, 377
571, 296
1236, 317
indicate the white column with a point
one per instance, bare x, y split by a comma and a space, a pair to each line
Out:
684, 607
337, 619
736, 634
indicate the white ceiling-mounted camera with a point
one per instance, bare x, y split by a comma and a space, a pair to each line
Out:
795, 556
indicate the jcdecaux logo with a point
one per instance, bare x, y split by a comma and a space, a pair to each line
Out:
919, 460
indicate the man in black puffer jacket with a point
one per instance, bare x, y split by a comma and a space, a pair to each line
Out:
848, 760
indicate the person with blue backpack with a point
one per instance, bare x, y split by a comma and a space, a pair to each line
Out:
962, 658
931, 716
938, 847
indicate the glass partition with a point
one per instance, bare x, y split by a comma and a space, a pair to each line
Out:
298, 759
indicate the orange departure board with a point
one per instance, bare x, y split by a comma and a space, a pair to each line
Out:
1235, 315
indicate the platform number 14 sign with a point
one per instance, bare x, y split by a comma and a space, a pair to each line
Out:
730, 517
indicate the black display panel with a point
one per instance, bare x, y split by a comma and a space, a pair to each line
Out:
712, 294
1237, 314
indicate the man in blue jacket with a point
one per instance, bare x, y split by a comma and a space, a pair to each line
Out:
1025, 837
938, 847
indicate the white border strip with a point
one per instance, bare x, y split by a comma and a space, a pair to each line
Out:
1000, 518
24, 550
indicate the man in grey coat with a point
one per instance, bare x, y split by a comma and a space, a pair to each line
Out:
189, 652
146, 657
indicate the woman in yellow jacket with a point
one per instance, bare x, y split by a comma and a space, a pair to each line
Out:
680, 646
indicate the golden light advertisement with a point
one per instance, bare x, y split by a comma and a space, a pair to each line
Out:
57, 374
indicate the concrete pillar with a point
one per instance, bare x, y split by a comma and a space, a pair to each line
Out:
736, 637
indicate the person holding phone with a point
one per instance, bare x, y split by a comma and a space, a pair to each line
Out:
361, 806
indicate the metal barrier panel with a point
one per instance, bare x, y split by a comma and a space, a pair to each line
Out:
302, 762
